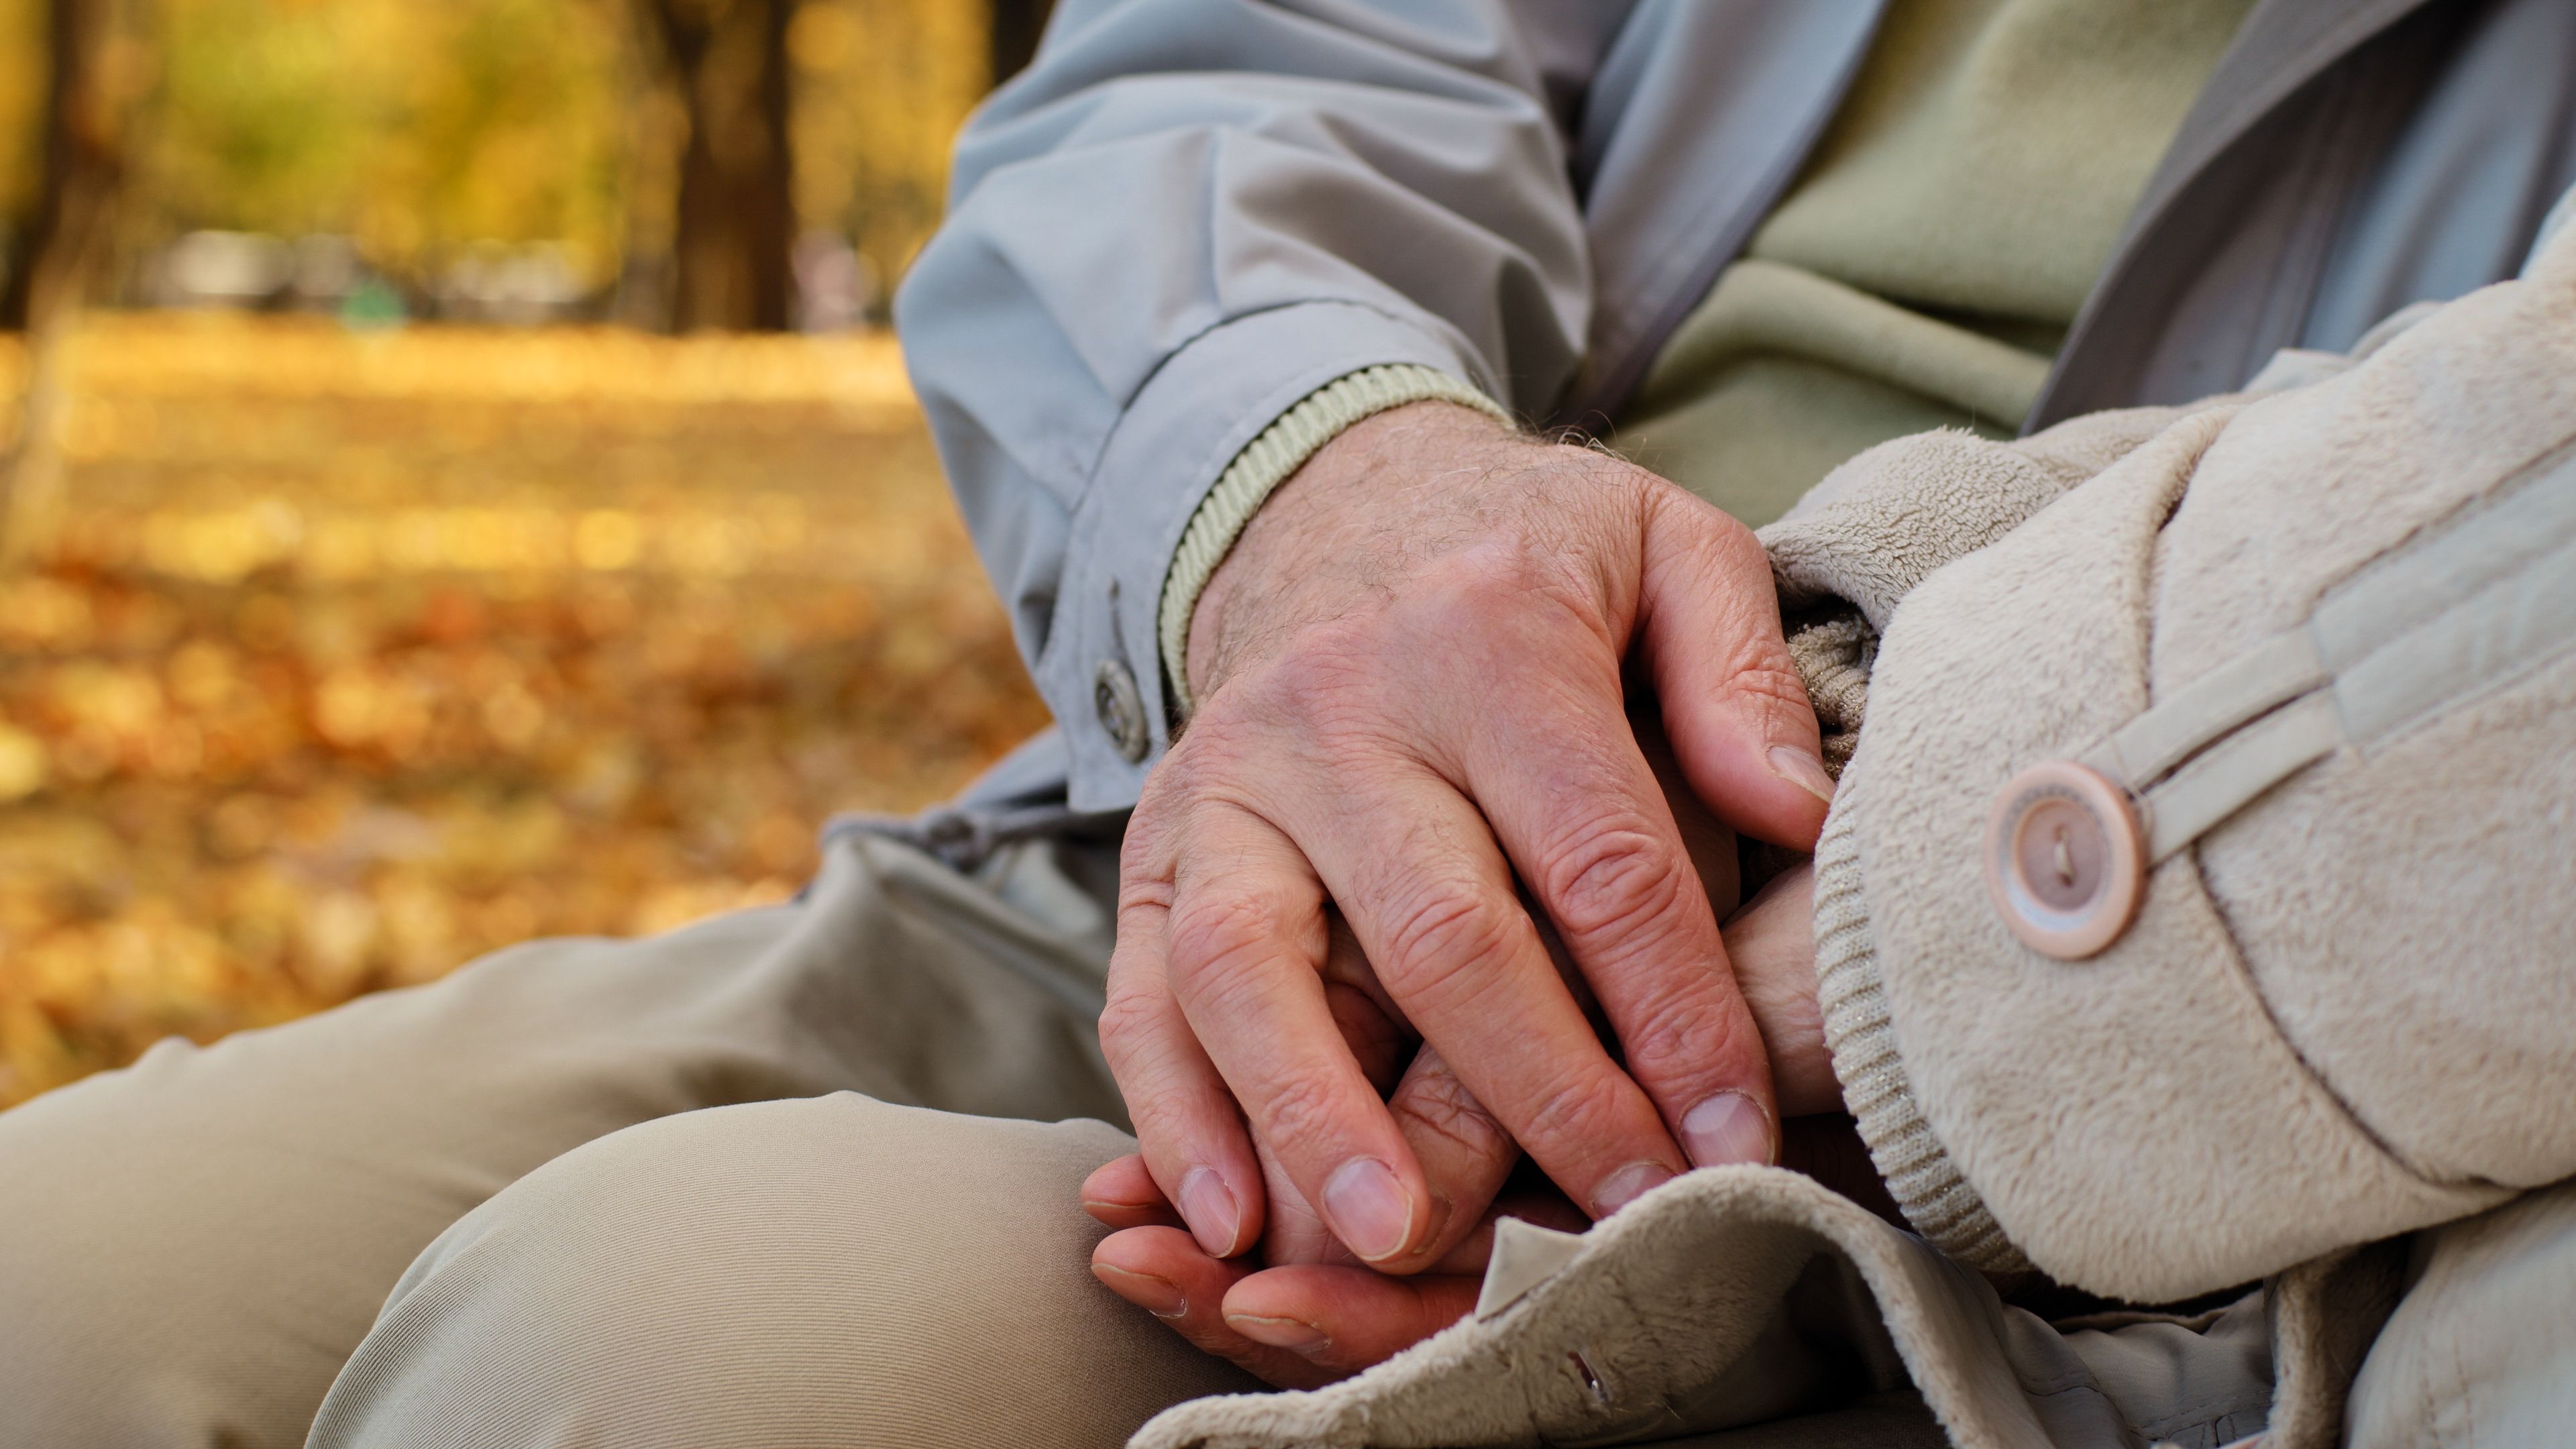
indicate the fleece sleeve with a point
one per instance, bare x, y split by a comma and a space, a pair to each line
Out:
2320, 646
1187, 217
1860, 541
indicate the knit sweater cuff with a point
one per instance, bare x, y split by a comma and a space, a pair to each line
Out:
1264, 464
1917, 1168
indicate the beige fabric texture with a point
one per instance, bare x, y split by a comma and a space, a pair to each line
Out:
190, 1249
827, 1272
2290, 1076
1858, 542
2479, 1351
1794, 1302
1918, 1170
1949, 226
1848, 554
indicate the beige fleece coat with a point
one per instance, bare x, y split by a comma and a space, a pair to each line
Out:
2335, 1053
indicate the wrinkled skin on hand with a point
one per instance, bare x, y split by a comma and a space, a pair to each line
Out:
1413, 806
1303, 1310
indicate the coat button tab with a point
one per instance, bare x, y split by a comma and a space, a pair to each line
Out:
1115, 698
2065, 861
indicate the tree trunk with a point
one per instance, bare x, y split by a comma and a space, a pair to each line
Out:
736, 224
84, 163
1017, 24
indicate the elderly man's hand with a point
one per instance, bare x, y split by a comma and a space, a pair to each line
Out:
1410, 675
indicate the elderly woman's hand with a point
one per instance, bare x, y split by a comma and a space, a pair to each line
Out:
1295, 1314
1306, 1311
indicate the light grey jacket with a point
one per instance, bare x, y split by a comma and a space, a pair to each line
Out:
1189, 214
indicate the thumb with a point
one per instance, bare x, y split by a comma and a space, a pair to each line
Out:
1709, 630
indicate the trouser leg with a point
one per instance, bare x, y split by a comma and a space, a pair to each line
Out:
831, 1272
191, 1248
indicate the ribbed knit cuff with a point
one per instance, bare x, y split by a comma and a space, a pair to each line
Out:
1264, 464
1917, 1169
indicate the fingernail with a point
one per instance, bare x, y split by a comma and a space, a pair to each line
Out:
1627, 1185
1288, 1333
1804, 770
1207, 1205
1368, 1207
1157, 1296
1726, 1128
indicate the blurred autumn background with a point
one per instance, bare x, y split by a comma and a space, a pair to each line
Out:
456, 485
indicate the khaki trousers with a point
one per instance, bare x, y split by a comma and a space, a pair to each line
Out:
797, 1176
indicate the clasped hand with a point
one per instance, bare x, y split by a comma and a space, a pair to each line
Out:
1414, 896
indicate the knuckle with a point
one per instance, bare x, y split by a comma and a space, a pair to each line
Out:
1441, 938
1140, 896
1167, 1114
1771, 676
1325, 662
1131, 1024
1142, 858
1164, 805
1214, 747
1614, 882
1307, 704
1578, 1115
1229, 742
1499, 566
1679, 1039
1298, 1109
1486, 590
1222, 940
1759, 664
1787, 712
1439, 1104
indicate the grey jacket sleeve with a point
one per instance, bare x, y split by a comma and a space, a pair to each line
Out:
1184, 218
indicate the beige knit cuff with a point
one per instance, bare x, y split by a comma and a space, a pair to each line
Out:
1917, 1168
1264, 464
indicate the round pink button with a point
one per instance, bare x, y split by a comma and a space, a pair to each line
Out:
2065, 861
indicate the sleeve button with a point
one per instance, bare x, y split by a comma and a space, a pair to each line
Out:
1121, 708
2065, 862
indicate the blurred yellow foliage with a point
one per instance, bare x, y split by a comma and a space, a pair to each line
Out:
414, 128
422, 129
883, 87
22, 99
363, 655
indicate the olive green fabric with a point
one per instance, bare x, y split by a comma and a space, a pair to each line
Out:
1924, 269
